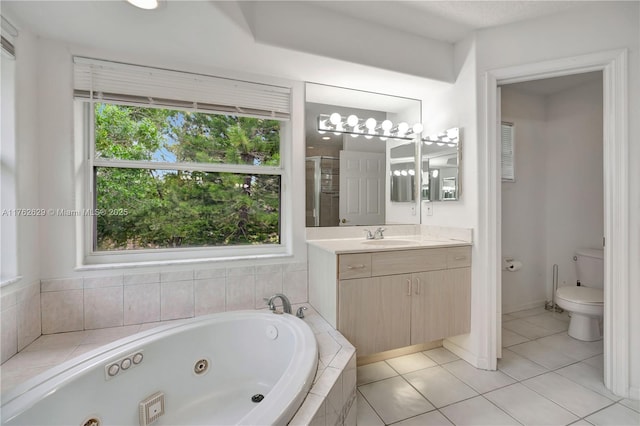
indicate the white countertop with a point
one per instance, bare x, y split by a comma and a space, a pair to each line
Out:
405, 242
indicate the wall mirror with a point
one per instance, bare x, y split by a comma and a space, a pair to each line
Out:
353, 139
402, 159
441, 152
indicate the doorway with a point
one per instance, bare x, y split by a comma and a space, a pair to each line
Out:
616, 213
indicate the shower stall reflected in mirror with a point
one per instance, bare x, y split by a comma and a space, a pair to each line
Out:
322, 191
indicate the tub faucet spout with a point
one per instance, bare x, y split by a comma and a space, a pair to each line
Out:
286, 305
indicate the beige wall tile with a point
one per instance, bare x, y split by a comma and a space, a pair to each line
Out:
62, 311
266, 286
61, 284
295, 287
141, 303
103, 307
210, 295
240, 292
29, 320
176, 300
9, 338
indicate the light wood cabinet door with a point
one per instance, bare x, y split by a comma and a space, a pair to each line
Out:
440, 305
375, 313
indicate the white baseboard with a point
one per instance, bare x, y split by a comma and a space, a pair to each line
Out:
507, 309
464, 354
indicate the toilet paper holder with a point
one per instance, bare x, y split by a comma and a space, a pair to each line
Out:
510, 264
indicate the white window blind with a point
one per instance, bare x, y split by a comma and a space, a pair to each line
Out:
105, 81
508, 157
7, 34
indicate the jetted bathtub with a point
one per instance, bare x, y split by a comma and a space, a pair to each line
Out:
235, 368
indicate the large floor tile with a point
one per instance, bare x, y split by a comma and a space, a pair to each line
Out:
518, 367
549, 322
441, 355
394, 399
439, 386
477, 411
596, 362
568, 394
408, 363
571, 347
542, 355
587, 376
510, 338
528, 312
480, 380
528, 407
508, 317
432, 418
366, 415
634, 404
526, 329
374, 372
616, 415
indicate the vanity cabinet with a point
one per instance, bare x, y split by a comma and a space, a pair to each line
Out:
390, 299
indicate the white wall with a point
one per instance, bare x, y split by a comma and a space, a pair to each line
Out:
574, 183
555, 205
594, 28
524, 202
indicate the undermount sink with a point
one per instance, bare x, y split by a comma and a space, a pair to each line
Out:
385, 242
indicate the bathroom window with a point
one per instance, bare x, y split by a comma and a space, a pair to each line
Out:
207, 179
507, 162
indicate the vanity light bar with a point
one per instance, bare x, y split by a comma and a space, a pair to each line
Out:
451, 138
369, 128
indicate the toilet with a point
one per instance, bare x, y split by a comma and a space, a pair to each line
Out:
586, 301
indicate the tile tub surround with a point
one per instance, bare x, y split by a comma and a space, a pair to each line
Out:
330, 401
20, 319
111, 300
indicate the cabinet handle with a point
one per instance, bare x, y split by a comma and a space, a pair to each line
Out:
460, 258
408, 287
418, 285
358, 266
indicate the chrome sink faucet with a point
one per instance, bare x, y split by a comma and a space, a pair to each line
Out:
376, 235
286, 305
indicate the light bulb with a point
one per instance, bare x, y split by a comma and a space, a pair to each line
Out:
370, 123
352, 120
396, 172
402, 128
417, 128
335, 118
368, 137
403, 172
412, 172
434, 173
353, 135
144, 4
322, 132
387, 125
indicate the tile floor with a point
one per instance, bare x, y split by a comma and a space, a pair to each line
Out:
544, 378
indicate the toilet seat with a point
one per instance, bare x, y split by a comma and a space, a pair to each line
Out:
581, 294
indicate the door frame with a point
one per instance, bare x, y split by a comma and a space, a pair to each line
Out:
613, 65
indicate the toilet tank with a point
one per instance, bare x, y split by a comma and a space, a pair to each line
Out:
590, 267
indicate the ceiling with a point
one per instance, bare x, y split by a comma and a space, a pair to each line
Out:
448, 21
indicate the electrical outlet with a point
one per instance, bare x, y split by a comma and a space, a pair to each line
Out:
429, 209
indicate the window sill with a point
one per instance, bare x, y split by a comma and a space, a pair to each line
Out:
10, 281
179, 262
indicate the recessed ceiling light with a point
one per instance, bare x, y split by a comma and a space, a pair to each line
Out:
144, 4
